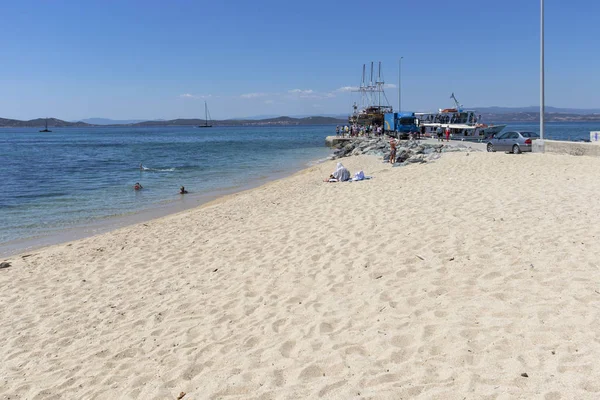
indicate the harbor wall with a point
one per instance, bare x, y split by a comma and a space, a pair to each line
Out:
569, 148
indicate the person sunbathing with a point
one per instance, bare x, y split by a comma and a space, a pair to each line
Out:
341, 174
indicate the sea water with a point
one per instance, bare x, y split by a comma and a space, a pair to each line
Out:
72, 177
570, 131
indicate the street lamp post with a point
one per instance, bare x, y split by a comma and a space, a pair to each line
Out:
400, 84
542, 105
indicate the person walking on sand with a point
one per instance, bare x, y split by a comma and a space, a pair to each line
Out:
393, 151
438, 133
447, 133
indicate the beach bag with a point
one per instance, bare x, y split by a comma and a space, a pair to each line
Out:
359, 176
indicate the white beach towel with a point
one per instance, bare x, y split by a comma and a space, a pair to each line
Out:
359, 176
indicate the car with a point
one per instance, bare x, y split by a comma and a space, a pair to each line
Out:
512, 141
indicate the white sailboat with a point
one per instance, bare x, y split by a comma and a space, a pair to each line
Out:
206, 118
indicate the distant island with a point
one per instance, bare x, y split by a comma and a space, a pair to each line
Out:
279, 121
488, 114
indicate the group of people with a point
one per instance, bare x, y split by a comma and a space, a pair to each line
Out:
356, 130
440, 132
454, 118
138, 186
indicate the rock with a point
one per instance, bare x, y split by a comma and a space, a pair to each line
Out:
4, 264
407, 151
416, 159
402, 156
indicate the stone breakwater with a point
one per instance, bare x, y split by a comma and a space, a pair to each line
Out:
407, 151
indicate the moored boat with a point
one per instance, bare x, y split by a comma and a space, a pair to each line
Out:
463, 124
374, 102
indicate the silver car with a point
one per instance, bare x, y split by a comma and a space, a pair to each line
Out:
512, 141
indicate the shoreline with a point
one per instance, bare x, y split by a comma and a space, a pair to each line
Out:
392, 287
156, 211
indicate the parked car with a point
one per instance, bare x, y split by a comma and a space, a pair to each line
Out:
512, 141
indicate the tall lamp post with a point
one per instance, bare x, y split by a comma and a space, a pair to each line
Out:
542, 105
400, 84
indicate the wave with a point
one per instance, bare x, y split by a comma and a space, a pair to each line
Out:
158, 169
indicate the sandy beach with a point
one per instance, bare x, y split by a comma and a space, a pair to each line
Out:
472, 277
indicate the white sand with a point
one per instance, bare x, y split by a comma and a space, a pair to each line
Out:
439, 281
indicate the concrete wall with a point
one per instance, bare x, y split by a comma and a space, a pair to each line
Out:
570, 148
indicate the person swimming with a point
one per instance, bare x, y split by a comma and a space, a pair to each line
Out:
137, 186
182, 190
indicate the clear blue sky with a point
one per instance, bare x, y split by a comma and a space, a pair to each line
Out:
157, 59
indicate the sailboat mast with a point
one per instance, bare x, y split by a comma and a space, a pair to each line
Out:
205, 114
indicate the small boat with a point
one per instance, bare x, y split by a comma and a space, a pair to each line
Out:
206, 116
46, 128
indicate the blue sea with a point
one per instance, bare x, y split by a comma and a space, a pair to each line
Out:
51, 182
570, 131
72, 178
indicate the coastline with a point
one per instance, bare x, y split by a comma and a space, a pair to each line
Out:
432, 281
156, 211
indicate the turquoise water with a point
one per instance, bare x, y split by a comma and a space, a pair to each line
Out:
71, 177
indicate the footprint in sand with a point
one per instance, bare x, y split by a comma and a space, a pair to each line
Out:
312, 372
325, 328
287, 347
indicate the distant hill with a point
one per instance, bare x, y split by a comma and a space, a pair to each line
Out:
489, 115
39, 122
534, 109
57, 123
247, 122
108, 121
535, 117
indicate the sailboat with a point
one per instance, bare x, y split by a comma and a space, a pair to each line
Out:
206, 115
46, 128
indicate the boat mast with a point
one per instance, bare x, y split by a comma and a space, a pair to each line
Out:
372, 93
371, 100
378, 83
205, 114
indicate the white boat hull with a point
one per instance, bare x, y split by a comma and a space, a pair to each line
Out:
464, 132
